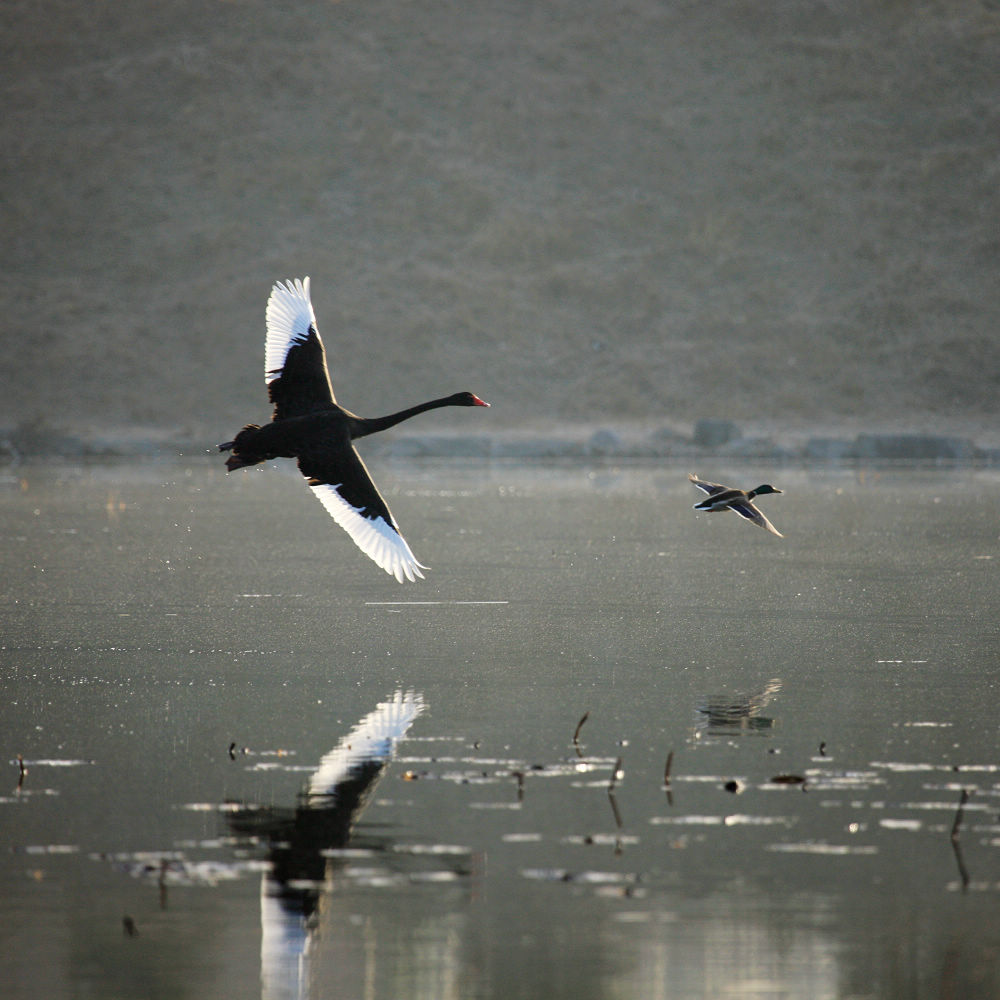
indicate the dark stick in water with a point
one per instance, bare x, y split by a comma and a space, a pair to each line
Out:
955, 834
576, 732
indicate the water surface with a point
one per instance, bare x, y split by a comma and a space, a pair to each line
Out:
181, 649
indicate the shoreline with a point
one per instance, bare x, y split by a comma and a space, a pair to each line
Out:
718, 439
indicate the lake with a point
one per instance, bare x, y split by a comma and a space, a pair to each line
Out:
610, 748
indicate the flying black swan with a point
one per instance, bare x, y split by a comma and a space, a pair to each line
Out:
308, 425
739, 502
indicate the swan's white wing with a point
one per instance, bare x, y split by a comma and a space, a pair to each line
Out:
343, 486
294, 359
290, 316
377, 538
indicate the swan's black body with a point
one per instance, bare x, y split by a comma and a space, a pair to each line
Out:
308, 425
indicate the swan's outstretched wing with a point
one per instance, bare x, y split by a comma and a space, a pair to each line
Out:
294, 360
343, 486
710, 488
747, 510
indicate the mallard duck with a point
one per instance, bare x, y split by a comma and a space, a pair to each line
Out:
738, 501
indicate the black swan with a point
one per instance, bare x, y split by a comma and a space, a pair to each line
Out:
738, 501
307, 424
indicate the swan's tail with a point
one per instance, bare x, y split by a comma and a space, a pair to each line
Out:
237, 460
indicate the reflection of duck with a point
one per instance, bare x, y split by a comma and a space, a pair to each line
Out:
738, 501
307, 424
723, 713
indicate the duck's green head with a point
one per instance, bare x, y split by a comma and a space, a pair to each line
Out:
766, 488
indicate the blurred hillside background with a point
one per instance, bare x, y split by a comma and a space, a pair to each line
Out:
586, 212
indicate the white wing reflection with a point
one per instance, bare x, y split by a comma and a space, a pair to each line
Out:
337, 793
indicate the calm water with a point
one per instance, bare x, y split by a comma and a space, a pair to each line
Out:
154, 616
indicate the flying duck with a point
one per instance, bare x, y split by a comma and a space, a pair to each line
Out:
738, 501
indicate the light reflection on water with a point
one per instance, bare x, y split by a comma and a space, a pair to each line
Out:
761, 800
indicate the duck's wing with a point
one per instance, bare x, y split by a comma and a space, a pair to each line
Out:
343, 486
746, 509
720, 501
294, 360
710, 488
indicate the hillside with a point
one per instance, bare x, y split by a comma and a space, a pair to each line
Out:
588, 213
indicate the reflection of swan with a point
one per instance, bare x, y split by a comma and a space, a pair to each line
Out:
372, 741
337, 793
724, 713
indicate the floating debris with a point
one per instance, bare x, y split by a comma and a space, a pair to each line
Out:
833, 850
901, 824
741, 819
599, 840
431, 849
584, 877
686, 820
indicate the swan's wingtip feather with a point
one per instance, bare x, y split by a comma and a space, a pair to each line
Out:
378, 539
289, 317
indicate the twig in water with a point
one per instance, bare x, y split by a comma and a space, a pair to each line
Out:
576, 732
957, 825
615, 774
955, 834
614, 802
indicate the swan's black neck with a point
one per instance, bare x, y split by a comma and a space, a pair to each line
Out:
363, 426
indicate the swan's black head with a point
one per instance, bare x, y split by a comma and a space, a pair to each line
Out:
766, 488
466, 399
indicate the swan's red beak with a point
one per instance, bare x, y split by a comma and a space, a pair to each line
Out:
479, 402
